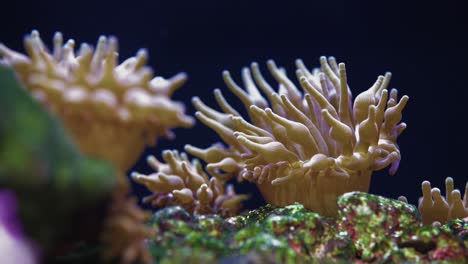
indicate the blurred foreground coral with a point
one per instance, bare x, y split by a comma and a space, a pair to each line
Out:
111, 111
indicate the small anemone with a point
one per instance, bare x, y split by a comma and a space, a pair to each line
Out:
436, 209
183, 182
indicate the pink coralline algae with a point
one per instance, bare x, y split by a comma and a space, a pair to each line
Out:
15, 247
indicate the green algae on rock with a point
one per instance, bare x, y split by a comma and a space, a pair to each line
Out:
458, 228
289, 234
371, 221
370, 229
386, 230
433, 244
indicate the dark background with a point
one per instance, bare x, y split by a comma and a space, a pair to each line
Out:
423, 44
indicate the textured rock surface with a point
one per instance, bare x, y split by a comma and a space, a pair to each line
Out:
459, 228
374, 223
370, 229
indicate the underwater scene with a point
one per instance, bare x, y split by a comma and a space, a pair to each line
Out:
233, 132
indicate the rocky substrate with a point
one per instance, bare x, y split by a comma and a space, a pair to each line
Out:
369, 229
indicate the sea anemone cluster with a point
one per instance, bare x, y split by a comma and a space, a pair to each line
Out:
183, 182
102, 103
436, 209
306, 146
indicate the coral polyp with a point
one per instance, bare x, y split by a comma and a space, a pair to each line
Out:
183, 182
111, 110
309, 145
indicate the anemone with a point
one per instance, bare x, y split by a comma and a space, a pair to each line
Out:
309, 145
112, 111
183, 182
436, 209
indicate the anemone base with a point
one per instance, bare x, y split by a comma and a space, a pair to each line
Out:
318, 195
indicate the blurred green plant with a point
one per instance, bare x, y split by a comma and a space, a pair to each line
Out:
62, 193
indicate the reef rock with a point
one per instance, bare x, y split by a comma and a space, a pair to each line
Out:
373, 222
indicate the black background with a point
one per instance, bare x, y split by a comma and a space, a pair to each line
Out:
422, 43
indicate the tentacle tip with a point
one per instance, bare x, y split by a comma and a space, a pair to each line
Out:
435, 192
456, 195
241, 138
34, 33
58, 35
135, 175
426, 184
102, 39
187, 147
195, 100
182, 76
142, 53
276, 182
150, 158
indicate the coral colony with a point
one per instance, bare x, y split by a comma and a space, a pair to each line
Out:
308, 147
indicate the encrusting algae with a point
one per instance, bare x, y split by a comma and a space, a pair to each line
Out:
306, 146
